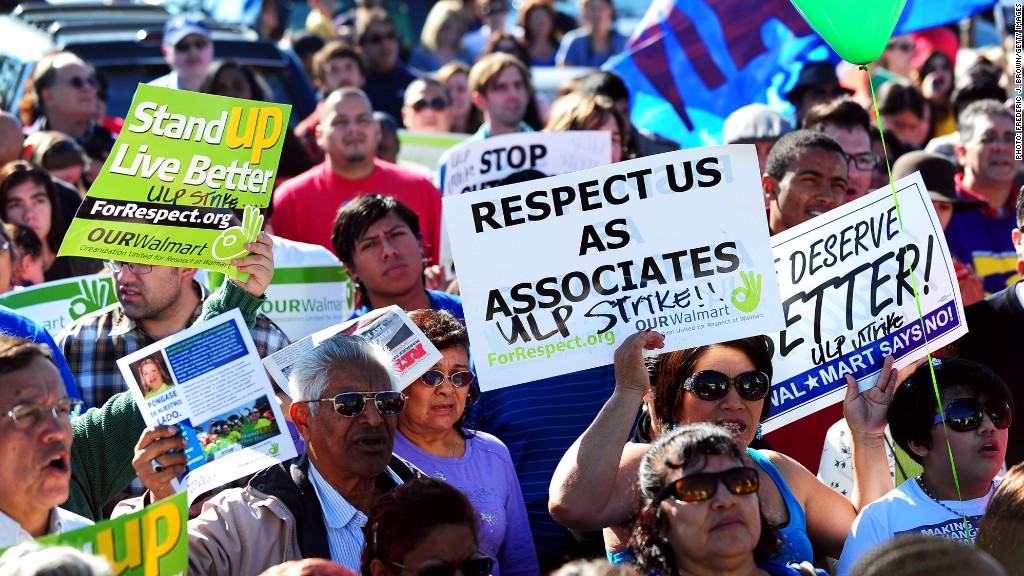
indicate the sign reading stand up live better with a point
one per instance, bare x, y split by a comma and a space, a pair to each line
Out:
182, 163
554, 272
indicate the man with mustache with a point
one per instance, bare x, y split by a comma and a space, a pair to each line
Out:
305, 206
345, 403
982, 237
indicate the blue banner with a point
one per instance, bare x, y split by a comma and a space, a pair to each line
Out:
865, 361
691, 63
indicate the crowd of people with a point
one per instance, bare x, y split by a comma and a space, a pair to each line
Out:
653, 466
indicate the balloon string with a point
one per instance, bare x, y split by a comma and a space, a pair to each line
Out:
917, 301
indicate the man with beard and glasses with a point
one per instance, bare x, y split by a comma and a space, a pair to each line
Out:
305, 206
982, 237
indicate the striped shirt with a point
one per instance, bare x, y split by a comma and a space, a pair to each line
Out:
344, 521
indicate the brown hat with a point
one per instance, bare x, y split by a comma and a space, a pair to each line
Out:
938, 173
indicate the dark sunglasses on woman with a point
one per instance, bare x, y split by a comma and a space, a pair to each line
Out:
702, 486
964, 415
480, 566
436, 377
713, 385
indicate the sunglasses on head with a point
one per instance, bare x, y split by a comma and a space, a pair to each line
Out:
481, 566
964, 415
436, 377
437, 104
702, 486
713, 385
351, 404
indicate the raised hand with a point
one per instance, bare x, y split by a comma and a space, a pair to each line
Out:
630, 369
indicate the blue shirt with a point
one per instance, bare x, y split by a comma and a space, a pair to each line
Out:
438, 301
796, 545
14, 324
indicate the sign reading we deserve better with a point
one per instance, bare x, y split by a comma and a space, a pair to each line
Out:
182, 162
847, 280
554, 272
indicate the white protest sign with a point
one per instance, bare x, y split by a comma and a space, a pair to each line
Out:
208, 380
411, 352
554, 272
59, 303
483, 164
846, 279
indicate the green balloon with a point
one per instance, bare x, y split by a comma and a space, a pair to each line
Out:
857, 30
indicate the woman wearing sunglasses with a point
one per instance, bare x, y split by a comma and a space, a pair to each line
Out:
424, 527
977, 408
725, 384
700, 510
432, 435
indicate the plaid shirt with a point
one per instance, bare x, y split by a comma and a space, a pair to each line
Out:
94, 343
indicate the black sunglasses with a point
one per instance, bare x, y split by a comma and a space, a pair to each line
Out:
79, 82
378, 38
481, 566
698, 487
351, 404
964, 415
713, 385
437, 104
436, 377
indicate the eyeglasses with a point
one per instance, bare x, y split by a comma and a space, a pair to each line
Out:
863, 161
901, 46
27, 415
135, 267
964, 415
79, 82
436, 377
197, 43
481, 566
713, 385
699, 487
351, 404
437, 104
379, 38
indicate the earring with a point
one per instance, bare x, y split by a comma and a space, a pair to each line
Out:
758, 436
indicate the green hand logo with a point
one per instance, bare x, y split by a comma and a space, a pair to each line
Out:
231, 242
273, 449
95, 294
747, 297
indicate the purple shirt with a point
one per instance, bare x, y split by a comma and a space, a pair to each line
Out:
486, 476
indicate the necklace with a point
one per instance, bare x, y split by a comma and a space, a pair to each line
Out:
920, 482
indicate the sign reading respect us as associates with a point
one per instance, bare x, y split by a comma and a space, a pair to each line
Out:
182, 163
555, 272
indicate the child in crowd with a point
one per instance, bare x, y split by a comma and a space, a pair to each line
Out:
977, 408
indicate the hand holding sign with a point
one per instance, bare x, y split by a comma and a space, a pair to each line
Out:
231, 242
747, 297
259, 265
630, 369
865, 411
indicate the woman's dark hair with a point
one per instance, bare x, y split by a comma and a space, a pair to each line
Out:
687, 447
445, 331
524, 16
18, 172
895, 97
912, 411
674, 368
406, 515
259, 88
1001, 533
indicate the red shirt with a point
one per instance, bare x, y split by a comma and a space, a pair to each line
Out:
305, 206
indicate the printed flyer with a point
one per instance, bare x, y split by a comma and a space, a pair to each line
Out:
847, 280
59, 303
208, 380
411, 353
150, 542
182, 168
555, 272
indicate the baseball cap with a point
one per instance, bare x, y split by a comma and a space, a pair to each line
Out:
182, 25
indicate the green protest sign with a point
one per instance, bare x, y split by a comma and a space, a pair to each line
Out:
149, 542
182, 163
59, 303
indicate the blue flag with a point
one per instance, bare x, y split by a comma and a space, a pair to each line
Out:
691, 63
